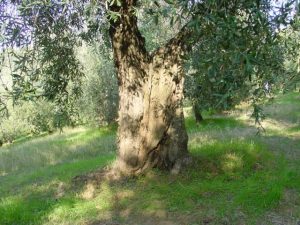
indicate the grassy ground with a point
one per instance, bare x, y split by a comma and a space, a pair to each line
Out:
236, 177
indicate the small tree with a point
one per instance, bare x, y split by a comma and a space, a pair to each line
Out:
98, 103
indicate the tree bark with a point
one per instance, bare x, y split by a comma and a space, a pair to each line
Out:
151, 129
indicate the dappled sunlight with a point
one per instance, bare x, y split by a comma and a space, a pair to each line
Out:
91, 134
77, 210
8, 202
272, 125
219, 170
233, 177
88, 192
215, 129
63, 205
231, 163
232, 159
294, 131
56, 149
214, 184
203, 139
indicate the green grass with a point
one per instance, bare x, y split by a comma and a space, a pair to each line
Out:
241, 175
236, 178
286, 108
58, 148
37, 197
219, 123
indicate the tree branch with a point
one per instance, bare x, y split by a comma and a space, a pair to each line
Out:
179, 42
124, 31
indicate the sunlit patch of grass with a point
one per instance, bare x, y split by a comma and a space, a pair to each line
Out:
75, 210
30, 197
225, 176
213, 123
229, 157
286, 108
58, 148
232, 162
234, 178
294, 129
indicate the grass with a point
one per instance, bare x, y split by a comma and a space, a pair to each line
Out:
75, 144
286, 109
39, 192
236, 177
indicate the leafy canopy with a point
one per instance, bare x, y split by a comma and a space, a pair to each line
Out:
232, 40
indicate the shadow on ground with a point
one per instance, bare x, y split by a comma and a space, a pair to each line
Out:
234, 179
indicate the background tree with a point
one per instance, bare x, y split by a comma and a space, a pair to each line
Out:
237, 74
98, 103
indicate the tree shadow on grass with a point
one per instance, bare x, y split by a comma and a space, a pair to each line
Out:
228, 183
30, 198
231, 181
288, 146
234, 180
26, 208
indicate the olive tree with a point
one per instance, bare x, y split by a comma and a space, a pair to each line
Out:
98, 103
151, 130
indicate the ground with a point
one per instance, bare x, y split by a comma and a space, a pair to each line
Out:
237, 177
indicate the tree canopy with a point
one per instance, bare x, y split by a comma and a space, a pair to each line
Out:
241, 33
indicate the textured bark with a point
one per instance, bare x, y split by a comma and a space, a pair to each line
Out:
151, 129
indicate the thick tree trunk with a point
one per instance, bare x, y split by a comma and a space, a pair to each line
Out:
151, 129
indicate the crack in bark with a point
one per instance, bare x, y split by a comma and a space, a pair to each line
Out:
148, 163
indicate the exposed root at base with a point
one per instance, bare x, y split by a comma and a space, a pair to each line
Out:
119, 171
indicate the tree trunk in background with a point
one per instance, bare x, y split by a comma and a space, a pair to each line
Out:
151, 129
197, 113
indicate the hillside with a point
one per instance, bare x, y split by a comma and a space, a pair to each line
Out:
237, 176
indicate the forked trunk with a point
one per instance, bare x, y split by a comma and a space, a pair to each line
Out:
151, 129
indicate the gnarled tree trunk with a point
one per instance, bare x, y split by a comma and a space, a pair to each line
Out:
151, 129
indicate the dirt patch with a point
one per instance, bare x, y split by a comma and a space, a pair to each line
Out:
95, 177
86, 185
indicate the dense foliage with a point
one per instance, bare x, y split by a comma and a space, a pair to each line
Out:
98, 103
232, 65
26, 119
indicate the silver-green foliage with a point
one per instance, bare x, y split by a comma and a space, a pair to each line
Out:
26, 119
98, 103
